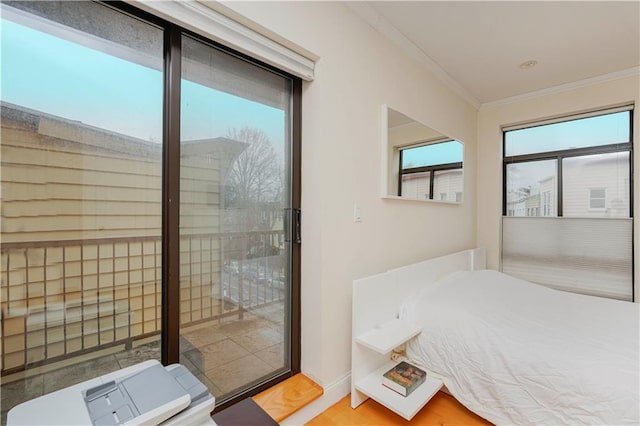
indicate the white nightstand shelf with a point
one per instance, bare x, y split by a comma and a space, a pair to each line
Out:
405, 406
387, 336
371, 361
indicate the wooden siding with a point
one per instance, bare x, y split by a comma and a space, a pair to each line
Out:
51, 195
606, 171
81, 235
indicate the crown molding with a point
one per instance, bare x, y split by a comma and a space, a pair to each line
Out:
617, 75
384, 27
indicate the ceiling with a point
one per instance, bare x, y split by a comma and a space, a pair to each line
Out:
476, 47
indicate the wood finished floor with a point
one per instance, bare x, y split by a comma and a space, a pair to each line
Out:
443, 409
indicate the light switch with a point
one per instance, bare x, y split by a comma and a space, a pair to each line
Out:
357, 215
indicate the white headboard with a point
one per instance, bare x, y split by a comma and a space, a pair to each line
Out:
377, 299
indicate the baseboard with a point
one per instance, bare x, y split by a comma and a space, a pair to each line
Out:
333, 393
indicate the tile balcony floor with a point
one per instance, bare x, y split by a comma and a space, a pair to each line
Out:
224, 354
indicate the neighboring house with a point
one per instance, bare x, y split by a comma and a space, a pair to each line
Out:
447, 185
592, 188
597, 186
416, 185
517, 201
81, 227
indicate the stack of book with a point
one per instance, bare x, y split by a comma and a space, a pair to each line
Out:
404, 378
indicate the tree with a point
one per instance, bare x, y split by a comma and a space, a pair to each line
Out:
255, 175
253, 194
255, 183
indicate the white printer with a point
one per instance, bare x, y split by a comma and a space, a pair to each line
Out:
143, 394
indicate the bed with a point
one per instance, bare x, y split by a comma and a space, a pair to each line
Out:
511, 351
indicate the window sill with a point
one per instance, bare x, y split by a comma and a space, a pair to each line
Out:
395, 197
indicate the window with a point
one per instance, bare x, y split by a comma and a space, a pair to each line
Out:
571, 180
597, 198
574, 156
435, 168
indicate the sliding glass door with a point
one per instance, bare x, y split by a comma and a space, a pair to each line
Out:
235, 187
109, 116
81, 149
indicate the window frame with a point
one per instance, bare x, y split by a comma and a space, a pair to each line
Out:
425, 169
560, 155
591, 198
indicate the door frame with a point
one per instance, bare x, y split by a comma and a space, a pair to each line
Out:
170, 333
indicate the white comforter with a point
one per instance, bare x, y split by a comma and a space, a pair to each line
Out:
518, 353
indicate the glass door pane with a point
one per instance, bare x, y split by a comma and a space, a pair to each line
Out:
234, 189
81, 194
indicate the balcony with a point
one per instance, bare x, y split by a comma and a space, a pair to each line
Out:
72, 310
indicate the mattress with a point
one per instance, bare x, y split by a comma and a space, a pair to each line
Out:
519, 353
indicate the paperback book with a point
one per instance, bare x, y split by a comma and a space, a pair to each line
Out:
404, 378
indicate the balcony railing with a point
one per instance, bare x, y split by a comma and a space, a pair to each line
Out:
65, 298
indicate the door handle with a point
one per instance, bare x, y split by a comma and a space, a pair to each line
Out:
297, 218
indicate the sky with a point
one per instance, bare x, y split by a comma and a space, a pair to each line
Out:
429, 155
66, 79
593, 131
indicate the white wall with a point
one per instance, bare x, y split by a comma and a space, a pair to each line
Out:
489, 150
358, 71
